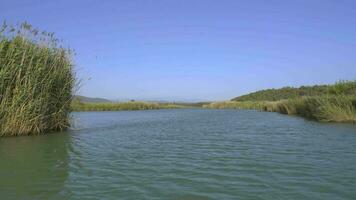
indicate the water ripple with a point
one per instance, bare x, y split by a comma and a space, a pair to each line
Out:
185, 154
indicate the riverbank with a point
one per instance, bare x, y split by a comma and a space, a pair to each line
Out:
324, 109
326, 103
121, 106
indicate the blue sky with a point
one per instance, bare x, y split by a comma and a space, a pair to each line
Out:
198, 49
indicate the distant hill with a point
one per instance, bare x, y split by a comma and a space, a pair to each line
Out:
342, 87
90, 99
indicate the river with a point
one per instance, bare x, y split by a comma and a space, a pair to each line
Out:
183, 154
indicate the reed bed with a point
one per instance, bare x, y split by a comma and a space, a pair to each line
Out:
255, 105
120, 106
328, 108
338, 108
36, 81
327, 103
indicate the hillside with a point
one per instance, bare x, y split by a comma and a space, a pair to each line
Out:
342, 87
90, 99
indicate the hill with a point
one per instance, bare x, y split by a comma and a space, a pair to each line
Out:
342, 87
90, 99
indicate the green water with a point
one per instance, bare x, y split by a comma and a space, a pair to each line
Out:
183, 154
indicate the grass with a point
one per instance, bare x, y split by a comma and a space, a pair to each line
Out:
336, 108
36, 81
327, 103
136, 105
337, 104
327, 108
255, 105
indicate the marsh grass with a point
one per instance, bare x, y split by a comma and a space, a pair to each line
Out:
338, 108
327, 103
119, 106
328, 108
36, 81
256, 105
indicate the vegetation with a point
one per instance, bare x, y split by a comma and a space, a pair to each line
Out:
89, 99
342, 87
336, 104
327, 109
255, 105
36, 81
338, 108
134, 105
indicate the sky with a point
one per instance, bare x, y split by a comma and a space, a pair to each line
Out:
197, 50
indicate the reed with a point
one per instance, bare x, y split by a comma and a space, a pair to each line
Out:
36, 81
256, 105
328, 103
120, 106
339, 108
328, 108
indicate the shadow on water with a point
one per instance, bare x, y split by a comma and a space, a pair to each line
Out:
34, 167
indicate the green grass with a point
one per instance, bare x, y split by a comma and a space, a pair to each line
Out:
327, 108
337, 108
327, 103
36, 81
256, 105
136, 105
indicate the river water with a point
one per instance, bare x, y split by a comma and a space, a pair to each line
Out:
183, 154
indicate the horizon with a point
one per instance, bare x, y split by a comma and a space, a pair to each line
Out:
201, 50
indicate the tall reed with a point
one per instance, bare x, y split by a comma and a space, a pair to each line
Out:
328, 108
36, 81
113, 106
256, 105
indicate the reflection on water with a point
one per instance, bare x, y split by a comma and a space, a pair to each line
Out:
34, 167
183, 154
